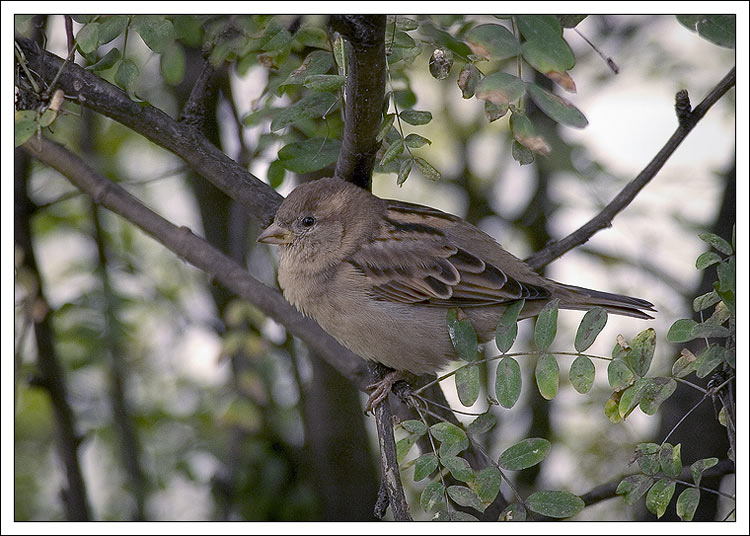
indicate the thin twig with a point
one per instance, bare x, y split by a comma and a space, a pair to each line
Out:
604, 219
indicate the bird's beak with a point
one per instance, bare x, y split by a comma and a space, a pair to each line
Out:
275, 234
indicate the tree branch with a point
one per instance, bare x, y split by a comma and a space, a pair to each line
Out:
390, 476
195, 250
626, 196
365, 88
183, 139
609, 490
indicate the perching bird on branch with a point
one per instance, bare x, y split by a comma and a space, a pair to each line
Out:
379, 276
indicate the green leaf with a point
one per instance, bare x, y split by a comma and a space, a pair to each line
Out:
482, 424
406, 24
524, 133
414, 426
682, 330
108, 60
458, 515
592, 324
704, 301
524, 454
726, 273
570, 21
187, 28
493, 111
687, 503
697, 468
513, 512
467, 81
670, 460
542, 28
582, 373
427, 170
87, 38
385, 126
546, 325
276, 174
656, 391
508, 382
717, 243
487, 484
492, 41
24, 126
555, 107
126, 75
619, 375
718, 29
550, 61
403, 172
309, 155
445, 39
111, 27
500, 88
507, 326
464, 496
684, 365
631, 397
310, 36
642, 352
172, 63
706, 259
708, 359
324, 82
308, 107
452, 439
275, 37
659, 496
156, 31
394, 151
521, 154
403, 446
424, 466
612, 407
547, 373
557, 504
462, 335
317, 62
634, 487
545, 49
416, 117
647, 455
459, 468
433, 495
415, 141
467, 384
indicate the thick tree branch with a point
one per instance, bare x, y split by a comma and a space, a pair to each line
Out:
195, 250
365, 88
626, 196
183, 139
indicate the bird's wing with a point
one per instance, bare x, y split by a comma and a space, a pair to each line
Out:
412, 259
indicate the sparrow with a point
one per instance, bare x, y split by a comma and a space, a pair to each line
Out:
380, 275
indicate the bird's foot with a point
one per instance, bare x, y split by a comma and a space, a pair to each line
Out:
381, 389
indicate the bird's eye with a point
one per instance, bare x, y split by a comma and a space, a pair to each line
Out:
308, 221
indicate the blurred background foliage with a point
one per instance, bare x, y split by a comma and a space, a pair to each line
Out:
188, 403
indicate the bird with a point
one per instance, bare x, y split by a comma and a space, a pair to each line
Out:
380, 275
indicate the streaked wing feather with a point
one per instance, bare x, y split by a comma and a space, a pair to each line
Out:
413, 261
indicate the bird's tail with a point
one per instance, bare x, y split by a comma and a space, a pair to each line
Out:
586, 298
